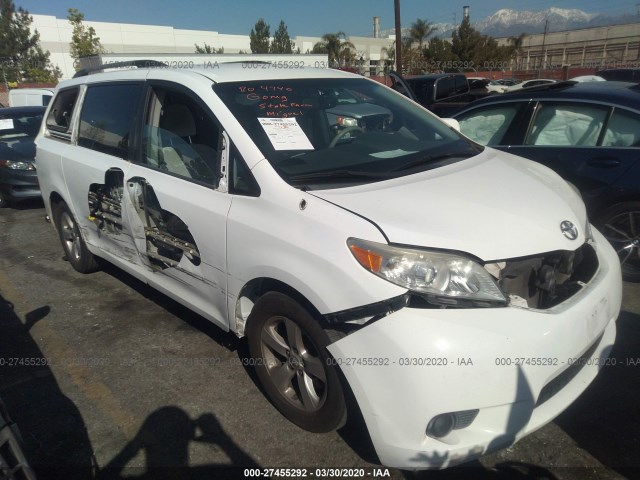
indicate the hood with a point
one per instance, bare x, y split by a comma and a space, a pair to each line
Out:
495, 206
18, 150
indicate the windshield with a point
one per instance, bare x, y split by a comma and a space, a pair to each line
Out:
323, 133
23, 126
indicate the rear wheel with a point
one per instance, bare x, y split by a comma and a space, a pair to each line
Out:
288, 348
620, 224
76, 251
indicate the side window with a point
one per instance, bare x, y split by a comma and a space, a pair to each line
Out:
180, 137
462, 85
421, 91
487, 126
561, 124
445, 87
59, 118
108, 118
623, 130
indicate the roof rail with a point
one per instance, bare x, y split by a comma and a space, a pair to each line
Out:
130, 63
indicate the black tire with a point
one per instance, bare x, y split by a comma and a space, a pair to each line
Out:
288, 349
620, 224
76, 251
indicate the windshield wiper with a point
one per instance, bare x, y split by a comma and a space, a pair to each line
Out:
338, 174
430, 159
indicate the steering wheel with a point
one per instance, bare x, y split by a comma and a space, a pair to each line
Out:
342, 133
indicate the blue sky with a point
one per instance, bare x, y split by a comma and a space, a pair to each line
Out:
303, 17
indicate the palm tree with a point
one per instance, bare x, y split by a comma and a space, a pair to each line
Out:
516, 44
390, 53
336, 45
420, 30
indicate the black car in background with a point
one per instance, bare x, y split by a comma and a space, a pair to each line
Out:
18, 129
620, 74
442, 93
587, 132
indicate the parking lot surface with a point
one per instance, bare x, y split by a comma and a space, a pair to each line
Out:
108, 378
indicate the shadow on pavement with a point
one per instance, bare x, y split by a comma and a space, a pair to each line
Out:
225, 339
28, 204
164, 437
605, 420
54, 433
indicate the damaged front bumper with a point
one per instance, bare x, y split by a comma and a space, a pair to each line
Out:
497, 373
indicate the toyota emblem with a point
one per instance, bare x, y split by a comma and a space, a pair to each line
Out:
569, 230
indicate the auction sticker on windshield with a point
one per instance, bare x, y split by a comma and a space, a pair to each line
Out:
285, 134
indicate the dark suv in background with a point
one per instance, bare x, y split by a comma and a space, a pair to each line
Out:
442, 93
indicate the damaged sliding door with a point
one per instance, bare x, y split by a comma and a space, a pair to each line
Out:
176, 214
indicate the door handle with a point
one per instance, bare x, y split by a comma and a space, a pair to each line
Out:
603, 162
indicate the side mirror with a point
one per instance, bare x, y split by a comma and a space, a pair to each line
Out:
452, 122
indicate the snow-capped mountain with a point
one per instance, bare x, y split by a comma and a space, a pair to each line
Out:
512, 22
507, 22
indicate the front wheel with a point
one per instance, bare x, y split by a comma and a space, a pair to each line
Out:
288, 348
620, 224
77, 253
3, 201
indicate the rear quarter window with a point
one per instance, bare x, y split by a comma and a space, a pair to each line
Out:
623, 130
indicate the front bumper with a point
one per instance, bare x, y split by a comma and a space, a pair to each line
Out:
19, 184
518, 367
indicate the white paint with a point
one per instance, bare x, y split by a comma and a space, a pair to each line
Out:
455, 207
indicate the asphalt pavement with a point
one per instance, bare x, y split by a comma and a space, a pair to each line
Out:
107, 378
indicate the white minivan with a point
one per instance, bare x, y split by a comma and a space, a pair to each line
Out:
30, 97
365, 248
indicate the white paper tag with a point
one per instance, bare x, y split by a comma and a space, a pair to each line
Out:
6, 124
285, 134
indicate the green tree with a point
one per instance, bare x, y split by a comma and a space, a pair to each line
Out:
413, 62
390, 56
259, 37
281, 41
21, 57
84, 41
439, 53
470, 46
465, 41
208, 49
421, 30
339, 50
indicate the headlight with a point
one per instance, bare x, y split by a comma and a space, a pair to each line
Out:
447, 276
17, 165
